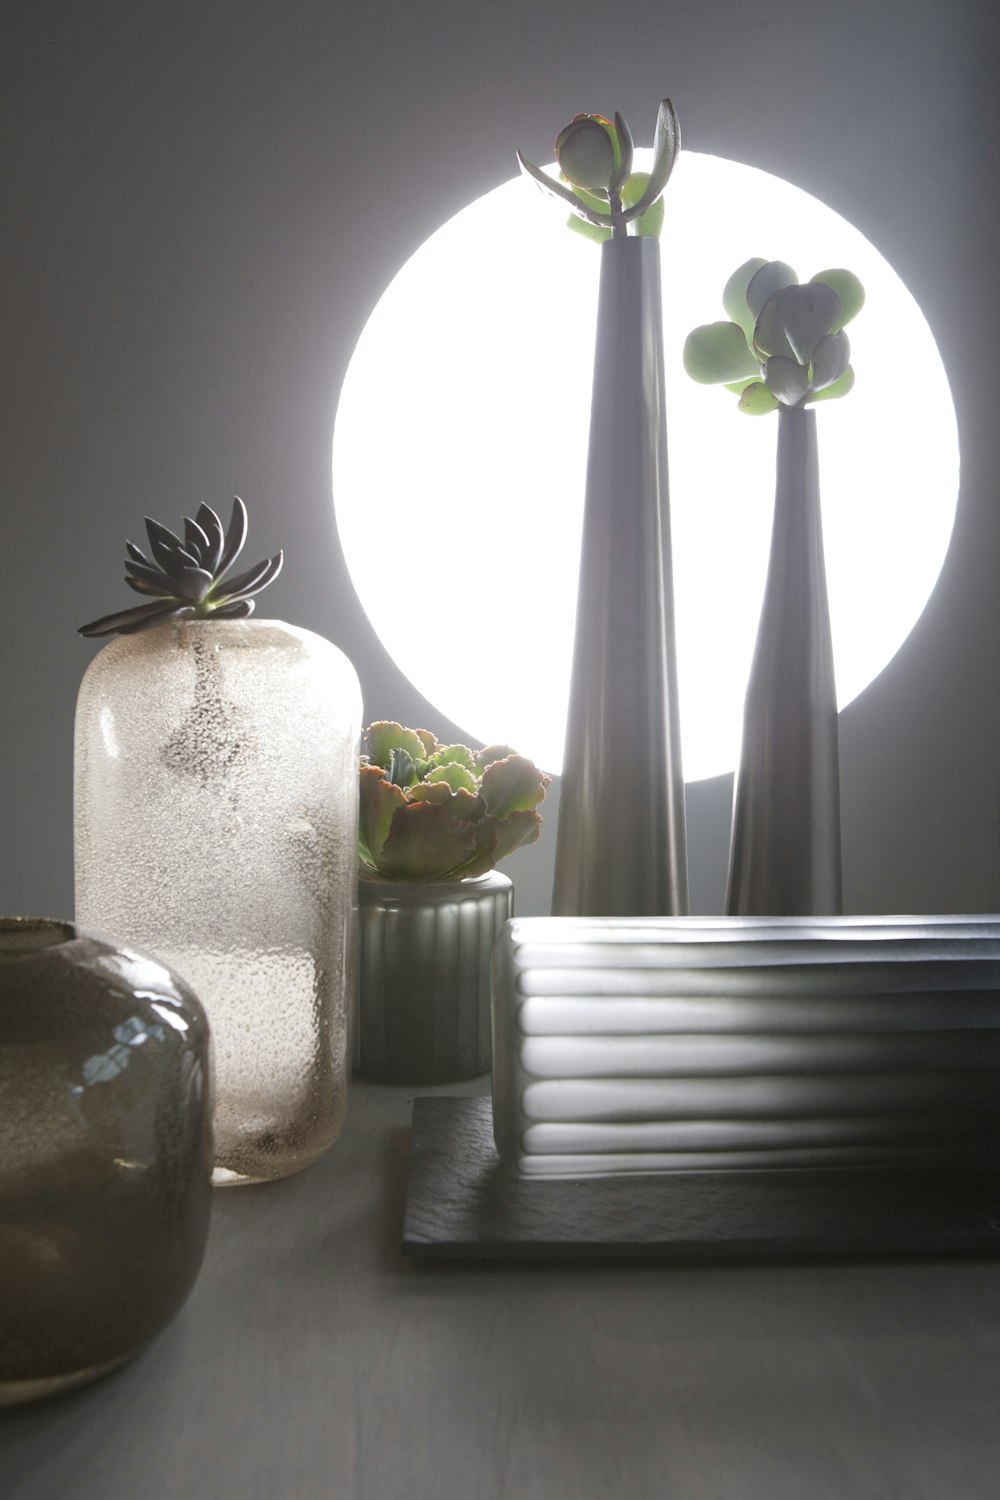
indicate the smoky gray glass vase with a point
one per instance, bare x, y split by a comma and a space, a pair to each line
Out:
105, 1153
424, 990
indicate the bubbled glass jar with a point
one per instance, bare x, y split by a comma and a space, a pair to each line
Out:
216, 826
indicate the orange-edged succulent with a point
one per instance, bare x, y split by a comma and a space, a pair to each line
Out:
430, 811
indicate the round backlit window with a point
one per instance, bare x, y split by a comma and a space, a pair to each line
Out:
461, 442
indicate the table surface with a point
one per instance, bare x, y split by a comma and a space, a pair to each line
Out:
313, 1361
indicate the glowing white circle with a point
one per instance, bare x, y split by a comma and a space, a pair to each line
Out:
460, 454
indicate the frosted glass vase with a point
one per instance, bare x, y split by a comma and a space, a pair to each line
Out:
216, 826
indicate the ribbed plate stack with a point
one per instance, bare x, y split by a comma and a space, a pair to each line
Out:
698, 1044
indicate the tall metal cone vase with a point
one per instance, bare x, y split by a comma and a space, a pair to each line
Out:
621, 847
785, 850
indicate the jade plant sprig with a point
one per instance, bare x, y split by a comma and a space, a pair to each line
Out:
786, 344
596, 179
430, 811
186, 579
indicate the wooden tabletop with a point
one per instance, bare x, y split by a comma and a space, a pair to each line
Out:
313, 1361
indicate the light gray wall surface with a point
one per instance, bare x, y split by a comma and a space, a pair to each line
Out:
203, 202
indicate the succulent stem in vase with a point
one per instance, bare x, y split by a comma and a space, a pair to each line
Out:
785, 348
621, 843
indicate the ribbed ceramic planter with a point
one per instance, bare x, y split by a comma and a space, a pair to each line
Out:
216, 811
424, 991
671, 1045
785, 853
105, 1153
621, 843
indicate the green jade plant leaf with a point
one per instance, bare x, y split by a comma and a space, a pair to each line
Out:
596, 179
442, 812
786, 344
187, 579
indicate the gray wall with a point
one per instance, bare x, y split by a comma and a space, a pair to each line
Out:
201, 205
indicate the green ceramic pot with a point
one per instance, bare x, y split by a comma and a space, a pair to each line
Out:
105, 1153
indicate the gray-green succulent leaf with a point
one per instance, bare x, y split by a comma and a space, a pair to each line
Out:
770, 336
757, 400
589, 154
834, 392
666, 149
808, 314
849, 290
734, 295
717, 353
626, 153
785, 379
558, 190
773, 276
830, 359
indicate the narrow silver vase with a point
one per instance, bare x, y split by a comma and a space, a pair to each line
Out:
621, 843
785, 851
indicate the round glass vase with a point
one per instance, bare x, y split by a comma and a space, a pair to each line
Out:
424, 989
216, 825
105, 1153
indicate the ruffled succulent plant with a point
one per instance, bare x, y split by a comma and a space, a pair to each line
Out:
187, 579
786, 344
442, 812
596, 178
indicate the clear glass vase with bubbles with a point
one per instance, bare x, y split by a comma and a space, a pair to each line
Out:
215, 810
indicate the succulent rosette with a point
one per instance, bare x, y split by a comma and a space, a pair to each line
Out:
786, 344
596, 179
188, 578
430, 811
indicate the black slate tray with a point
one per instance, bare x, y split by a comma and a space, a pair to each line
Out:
460, 1202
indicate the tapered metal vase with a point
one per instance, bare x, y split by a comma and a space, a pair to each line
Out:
785, 851
621, 843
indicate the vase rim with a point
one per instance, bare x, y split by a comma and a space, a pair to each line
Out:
243, 622
429, 881
22, 936
631, 239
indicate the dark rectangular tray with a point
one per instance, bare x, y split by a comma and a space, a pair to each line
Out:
461, 1202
